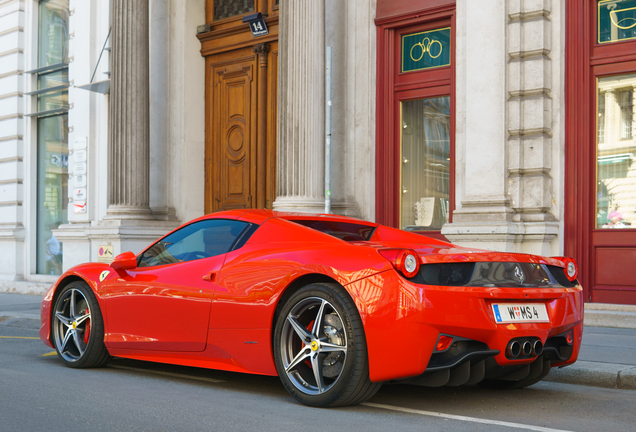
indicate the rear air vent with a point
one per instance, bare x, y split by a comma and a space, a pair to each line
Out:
493, 274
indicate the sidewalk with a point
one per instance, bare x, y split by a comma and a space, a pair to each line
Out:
607, 357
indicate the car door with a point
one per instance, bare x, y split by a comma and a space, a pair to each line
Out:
164, 303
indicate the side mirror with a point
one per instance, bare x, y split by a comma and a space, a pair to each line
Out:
124, 261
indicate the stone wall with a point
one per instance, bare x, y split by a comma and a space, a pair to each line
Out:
12, 144
510, 126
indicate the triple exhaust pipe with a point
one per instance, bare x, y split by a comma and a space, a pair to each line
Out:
524, 348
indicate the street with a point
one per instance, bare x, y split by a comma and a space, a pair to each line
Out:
37, 392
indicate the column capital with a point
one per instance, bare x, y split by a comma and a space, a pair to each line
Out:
261, 49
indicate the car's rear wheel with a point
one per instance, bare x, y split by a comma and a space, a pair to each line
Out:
78, 327
320, 348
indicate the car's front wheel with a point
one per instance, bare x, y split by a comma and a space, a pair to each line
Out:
320, 348
78, 327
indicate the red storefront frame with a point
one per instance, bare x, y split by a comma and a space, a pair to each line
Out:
585, 61
395, 18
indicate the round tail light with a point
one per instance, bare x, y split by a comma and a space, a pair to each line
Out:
406, 261
570, 269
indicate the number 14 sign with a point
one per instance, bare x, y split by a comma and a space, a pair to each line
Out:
258, 27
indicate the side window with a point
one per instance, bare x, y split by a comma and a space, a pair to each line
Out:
201, 239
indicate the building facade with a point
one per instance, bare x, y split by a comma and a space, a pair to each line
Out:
499, 124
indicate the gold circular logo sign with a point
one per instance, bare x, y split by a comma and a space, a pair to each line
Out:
314, 345
74, 325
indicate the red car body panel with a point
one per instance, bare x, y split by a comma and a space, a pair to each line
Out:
171, 314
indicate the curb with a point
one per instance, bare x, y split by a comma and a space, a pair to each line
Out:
23, 287
610, 318
606, 375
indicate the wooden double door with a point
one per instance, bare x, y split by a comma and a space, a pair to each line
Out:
240, 147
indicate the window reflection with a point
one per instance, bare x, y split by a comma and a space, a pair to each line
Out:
53, 26
616, 171
199, 240
52, 134
425, 140
52, 191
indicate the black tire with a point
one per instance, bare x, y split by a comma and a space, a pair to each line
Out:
343, 377
77, 327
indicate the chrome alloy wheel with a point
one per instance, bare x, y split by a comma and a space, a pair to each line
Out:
71, 325
314, 346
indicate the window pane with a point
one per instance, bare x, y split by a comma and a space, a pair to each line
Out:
616, 20
53, 79
53, 100
52, 191
229, 8
195, 241
616, 170
425, 137
53, 28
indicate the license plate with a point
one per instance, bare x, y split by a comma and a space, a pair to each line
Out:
520, 312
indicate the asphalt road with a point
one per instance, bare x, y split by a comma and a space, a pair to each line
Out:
37, 392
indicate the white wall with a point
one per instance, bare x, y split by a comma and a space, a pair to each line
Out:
12, 152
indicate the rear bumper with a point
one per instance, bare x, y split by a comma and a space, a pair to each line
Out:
402, 322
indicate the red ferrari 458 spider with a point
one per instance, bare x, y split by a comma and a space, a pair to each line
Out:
334, 306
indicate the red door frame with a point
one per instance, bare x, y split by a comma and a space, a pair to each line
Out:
585, 60
394, 86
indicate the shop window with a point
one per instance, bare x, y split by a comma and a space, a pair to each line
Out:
425, 163
616, 167
415, 117
51, 116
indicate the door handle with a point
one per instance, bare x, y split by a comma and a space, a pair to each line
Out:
209, 277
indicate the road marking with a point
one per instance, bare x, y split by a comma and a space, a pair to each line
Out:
170, 374
18, 337
52, 353
461, 418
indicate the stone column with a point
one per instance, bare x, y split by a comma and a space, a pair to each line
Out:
301, 78
129, 112
129, 224
633, 112
161, 173
505, 198
480, 191
261, 150
612, 116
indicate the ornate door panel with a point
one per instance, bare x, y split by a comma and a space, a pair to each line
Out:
240, 105
231, 159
